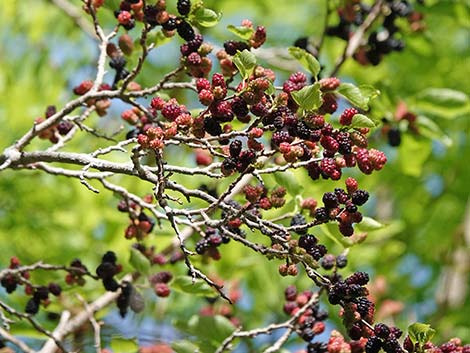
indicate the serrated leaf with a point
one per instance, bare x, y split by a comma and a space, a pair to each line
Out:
369, 224
199, 287
245, 62
184, 347
420, 333
242, 32
309, 97
360, 120
354, 95
206, 17
139, 261
288, 180
307, 60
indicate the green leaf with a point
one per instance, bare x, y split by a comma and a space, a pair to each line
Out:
121, 345
430, 129
413, 153
184, 347
157, 38
309, 97
444, 97
358, 96
245, 62
210, 331
443, 102
331, 231
307, 60
288, 180
360, 120
368, 224
369, 91
243, 32
185, 284
420, 333
139, 261
206, 17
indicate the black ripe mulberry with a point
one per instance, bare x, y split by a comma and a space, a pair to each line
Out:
394, 137
212, 126
298, 220
360, 197
183, 7
32, 306
321, 214
373, 345
235, 148
185, 31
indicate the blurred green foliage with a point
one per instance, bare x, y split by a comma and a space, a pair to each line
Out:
422, 195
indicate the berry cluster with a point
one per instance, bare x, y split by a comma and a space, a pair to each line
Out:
386, 338
351, 293
11, 281
101, 105
52, 133
140, 224
258, 196
231, 47
342, 206
106, 271
380, 42
239, 160
310, 323
210, 242
454, 345
39, 294
154, 15
76, 274
194, 56
159, 281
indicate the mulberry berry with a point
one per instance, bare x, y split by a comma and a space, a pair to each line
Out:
360, 197
381, 330
290, 293
330, 200
231, 46
183, 7
322, 215
212, 127
298, 220
307, 241
394, 137
281, 136
185, 31
32, 306
341, 261
346, 229
373, 345
328, 261
347, 116
110, 284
